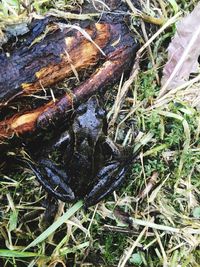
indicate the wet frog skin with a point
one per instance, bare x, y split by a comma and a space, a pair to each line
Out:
91, 166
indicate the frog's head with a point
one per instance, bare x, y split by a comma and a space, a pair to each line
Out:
89, 120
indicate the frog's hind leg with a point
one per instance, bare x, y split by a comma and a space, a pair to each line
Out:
54, 180
108, 179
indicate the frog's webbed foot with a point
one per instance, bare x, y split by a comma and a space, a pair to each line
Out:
54, 180
108, 179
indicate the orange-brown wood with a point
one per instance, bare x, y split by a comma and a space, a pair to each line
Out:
78, 53
33, 67
54, 64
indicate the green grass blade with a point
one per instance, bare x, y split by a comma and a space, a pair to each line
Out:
17, 254
174, 5
67, 250
56, 224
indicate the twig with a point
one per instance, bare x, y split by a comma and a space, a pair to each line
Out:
128, 254
165, 227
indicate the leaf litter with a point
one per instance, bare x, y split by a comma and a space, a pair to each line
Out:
183, 55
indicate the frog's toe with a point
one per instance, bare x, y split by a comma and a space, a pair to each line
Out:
52, 179
108, 179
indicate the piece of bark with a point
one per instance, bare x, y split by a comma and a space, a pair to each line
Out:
41, 60
31, 68
48, 53
117, 62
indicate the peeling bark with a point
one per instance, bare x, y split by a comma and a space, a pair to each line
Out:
29, 69
34, 67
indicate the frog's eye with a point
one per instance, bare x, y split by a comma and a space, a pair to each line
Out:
100, 113
81, 109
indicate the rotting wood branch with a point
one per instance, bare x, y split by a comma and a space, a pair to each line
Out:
43, 60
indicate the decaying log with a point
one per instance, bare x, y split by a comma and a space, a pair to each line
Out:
31, 68
50, 113
63, 50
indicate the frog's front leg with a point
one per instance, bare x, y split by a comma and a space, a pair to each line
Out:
107, 180
63, 141
54, 180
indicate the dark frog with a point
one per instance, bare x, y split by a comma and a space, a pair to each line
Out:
92, 166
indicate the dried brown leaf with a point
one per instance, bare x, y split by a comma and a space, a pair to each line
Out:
183, 52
